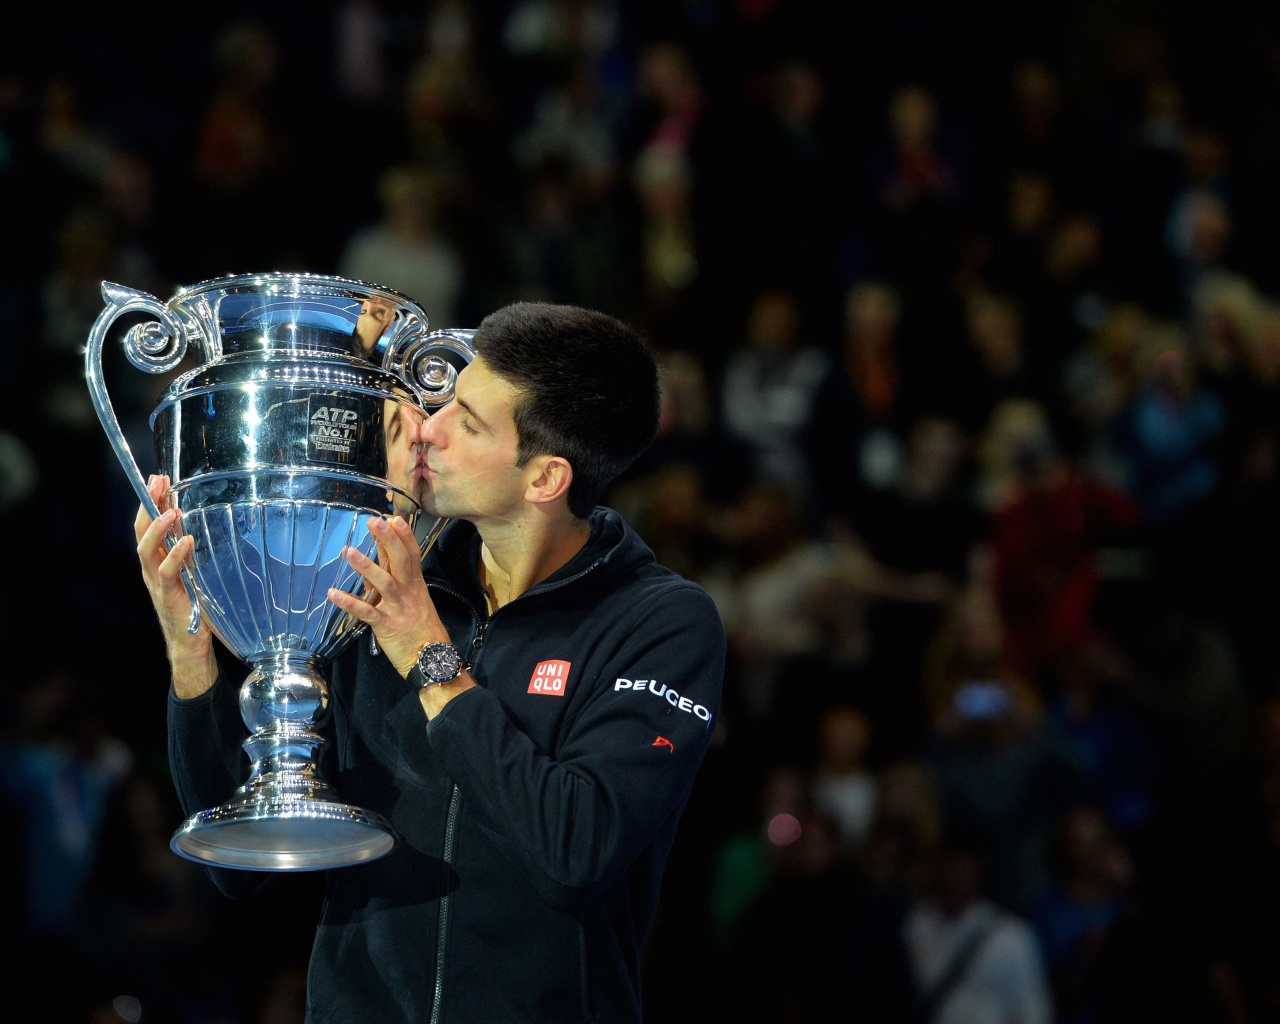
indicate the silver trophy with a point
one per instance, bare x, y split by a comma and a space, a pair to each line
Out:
277, 446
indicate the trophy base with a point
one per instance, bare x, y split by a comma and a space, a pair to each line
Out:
283, 834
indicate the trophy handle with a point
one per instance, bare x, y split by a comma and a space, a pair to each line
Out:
151, 346
422, 362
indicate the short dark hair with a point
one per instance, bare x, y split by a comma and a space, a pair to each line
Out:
587, 388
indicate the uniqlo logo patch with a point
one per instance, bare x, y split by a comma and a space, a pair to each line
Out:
550, 677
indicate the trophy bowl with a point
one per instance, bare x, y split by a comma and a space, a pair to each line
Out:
279, 447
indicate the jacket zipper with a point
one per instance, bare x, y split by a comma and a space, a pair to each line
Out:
450, 822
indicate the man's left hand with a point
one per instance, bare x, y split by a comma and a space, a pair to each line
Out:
396, 604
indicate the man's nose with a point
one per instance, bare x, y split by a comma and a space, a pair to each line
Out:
414, 428
422, 430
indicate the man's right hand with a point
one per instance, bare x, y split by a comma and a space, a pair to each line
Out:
191, 655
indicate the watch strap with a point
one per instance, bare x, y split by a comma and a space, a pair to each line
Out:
419, 681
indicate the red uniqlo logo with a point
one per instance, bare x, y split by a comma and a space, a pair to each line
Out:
549, 677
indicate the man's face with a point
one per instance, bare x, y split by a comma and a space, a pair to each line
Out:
403, 423
376, 315
467, 468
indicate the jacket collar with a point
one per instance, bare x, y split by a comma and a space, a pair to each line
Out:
612, 546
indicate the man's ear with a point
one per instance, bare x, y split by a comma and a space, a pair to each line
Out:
549, 480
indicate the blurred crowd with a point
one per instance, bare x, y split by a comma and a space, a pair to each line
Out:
969, 329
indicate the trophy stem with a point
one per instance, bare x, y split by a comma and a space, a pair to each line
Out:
285, 817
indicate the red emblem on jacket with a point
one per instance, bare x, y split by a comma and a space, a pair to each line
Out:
550, 677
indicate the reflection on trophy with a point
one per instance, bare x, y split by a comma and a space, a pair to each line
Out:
280, 446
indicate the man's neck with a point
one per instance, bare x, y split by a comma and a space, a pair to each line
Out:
514, 560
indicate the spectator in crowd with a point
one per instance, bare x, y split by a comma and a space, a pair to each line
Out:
905, 827
1084, 898
61, 766
1019, 247
1000, 774
1092, 707
971, 958
768, 388
1170, 434
1097, 383
994, 361
148, 924
865, 404
684, 488
920, 536
246, 151
662, 175
577, 119
918, 192
746, 857
844, 783
812, 938
1229, 569
406, 249
1039, 129
1045, 537
789, 116
1255, 871
793, 606
451, 120
554, 241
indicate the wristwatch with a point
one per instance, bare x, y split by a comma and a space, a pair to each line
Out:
437, 663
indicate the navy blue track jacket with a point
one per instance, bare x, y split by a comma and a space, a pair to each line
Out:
536, 811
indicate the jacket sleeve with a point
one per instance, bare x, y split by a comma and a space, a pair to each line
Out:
575, 818
208, 763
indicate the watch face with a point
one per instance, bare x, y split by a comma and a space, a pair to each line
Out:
440, 662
